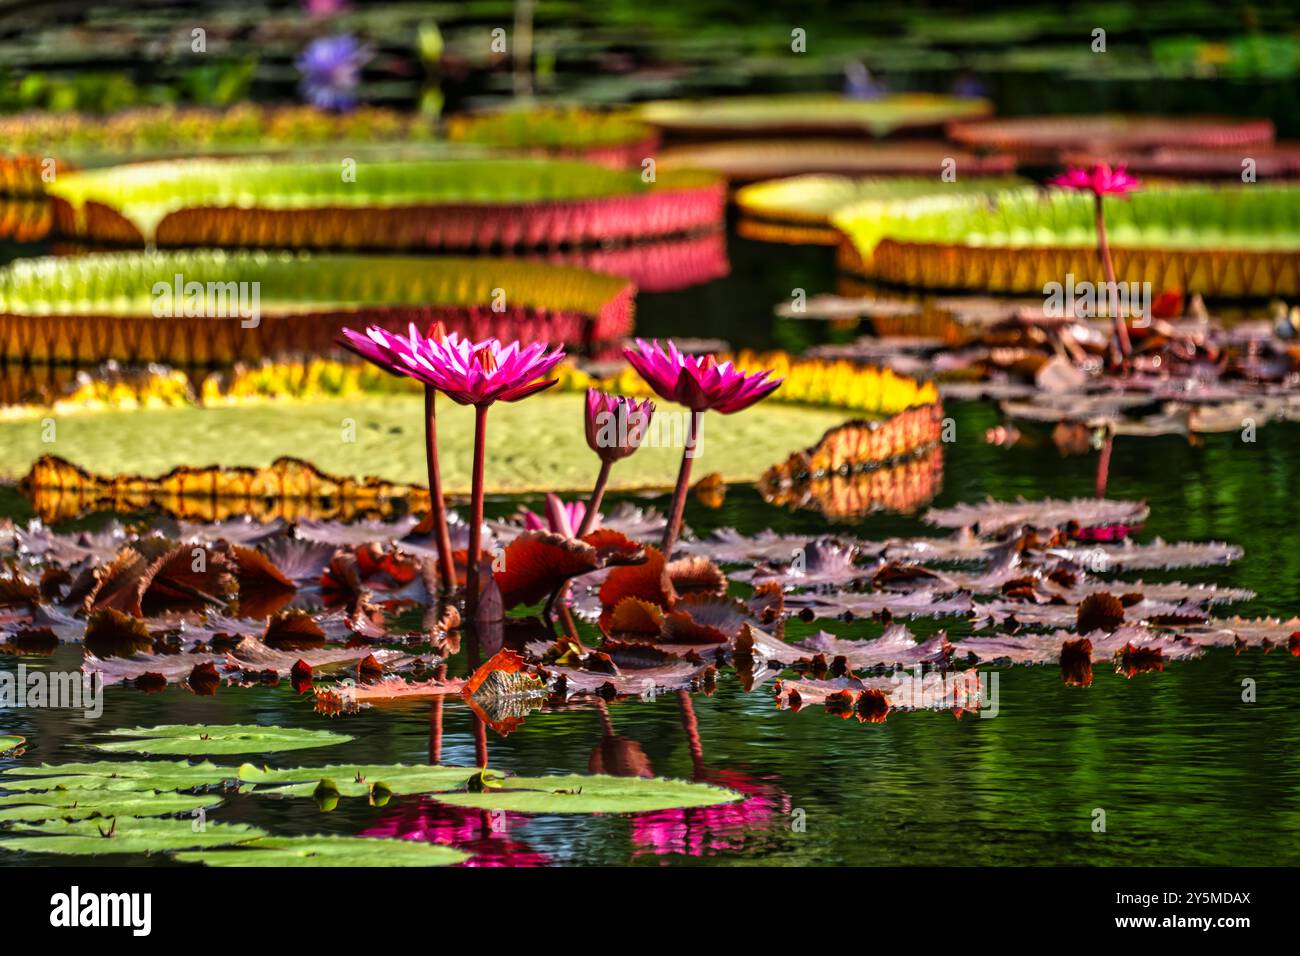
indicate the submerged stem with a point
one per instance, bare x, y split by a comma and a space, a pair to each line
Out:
476, 513
1103, 249
593, 503
437, 506
683, 485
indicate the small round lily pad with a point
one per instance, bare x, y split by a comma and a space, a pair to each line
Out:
359, 780
118, 775
575, 793
126, 835
205, 739
328, 851
83, 804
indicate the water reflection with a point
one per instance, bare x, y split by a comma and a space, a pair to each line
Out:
704, 831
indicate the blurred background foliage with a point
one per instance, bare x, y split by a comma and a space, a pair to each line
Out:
1166, 55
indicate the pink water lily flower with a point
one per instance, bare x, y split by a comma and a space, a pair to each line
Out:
698, 381
615, 424
559, 516
484, 372
479, 375
1101, 180
396, 354
381, 347
702, 384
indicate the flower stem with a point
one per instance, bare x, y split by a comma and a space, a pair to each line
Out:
597, 494
683, 485
437, 506
476, 513
1103, 463
1103, 249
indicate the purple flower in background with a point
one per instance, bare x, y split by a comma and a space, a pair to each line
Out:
859, 84
331, 71
969, 87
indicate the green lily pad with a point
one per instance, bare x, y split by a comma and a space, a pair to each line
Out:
10, 742
328, 851
534, 445
575, 793
82, 804
359, 780
118, 775
204, 739
126, 835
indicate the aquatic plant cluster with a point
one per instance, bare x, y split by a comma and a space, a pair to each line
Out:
375, 412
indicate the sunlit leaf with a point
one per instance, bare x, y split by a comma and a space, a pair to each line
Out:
358, 780
210, 739
99, 837
597, 794
80, 804
136, 775
328, 851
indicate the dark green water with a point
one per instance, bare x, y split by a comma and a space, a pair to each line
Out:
1185, 771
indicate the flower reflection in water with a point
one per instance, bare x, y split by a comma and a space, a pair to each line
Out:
704, 831
484, 833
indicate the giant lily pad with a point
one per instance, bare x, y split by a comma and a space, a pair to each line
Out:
125, 835
88, 309
445, 204
1218, 241
612, 139
1041, 139
749, 160
328, 851
535, 445
158, 131
575, 793
816, 112
799, 209
10, 742
207, 739
81, 804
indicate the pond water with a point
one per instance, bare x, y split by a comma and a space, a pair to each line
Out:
1185, 771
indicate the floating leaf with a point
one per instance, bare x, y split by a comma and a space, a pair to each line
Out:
810, 112
80, 804
597, 794
328, 851
91, 308
1041, 139
358, 780
125, 835
10, 742
445, 204
208, 739
137, 775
